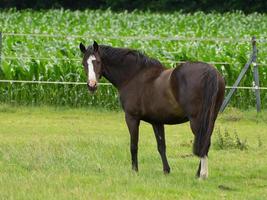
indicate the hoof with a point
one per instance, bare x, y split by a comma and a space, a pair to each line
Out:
135, 169
166, 171
203, 176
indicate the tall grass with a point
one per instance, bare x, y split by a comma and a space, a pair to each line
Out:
98, 24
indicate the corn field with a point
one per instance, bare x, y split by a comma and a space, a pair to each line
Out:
51, 52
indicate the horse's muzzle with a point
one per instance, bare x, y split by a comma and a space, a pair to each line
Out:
92, 86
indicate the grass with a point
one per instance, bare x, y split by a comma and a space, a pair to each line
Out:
62, 153
100, 25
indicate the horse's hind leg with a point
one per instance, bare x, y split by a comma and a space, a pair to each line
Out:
197, 127
202, 171
160, 137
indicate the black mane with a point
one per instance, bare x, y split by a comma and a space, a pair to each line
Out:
117, 55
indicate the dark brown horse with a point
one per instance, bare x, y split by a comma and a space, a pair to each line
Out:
148, 91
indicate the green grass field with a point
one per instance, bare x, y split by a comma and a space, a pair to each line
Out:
61, 153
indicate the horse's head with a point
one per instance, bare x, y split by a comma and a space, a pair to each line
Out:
92, 65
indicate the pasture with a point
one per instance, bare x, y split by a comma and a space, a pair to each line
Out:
59, 142
63, 153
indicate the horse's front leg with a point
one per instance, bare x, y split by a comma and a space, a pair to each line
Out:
133, 126
160, 137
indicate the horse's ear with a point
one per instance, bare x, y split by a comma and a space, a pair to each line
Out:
95, 45
82, 48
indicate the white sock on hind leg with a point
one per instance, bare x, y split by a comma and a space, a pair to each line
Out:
204, 167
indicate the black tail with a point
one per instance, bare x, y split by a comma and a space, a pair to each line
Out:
208, 114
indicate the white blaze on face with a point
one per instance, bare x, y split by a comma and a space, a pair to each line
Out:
91, 71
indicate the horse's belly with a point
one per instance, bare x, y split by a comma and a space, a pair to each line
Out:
165, 118
164, 110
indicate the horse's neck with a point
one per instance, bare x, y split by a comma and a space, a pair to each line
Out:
120, 75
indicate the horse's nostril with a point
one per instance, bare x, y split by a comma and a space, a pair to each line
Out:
92, 83
92, 87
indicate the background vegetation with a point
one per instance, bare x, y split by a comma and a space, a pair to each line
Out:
58, 58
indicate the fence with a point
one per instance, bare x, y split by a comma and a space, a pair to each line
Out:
123, 38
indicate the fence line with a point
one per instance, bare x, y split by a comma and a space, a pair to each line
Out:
173, 38
49, 82
40, 58
79, 60
104, 84
126, 37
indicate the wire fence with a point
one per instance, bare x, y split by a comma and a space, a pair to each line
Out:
172, 38
79, 60
148, 37
104, 84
